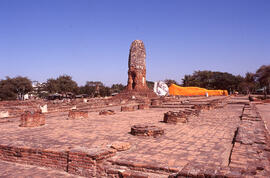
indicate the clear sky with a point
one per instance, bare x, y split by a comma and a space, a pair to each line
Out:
90, 39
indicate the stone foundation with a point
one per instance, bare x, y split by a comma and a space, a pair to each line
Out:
32, 119
201, 107
79, 161
75, 114
189, 112
128, 108
106, 112
143, 106
175, 117
87, 162
146, 130
121, 146
208, 106
155, 103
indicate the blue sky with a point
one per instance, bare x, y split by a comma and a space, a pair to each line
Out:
90, 39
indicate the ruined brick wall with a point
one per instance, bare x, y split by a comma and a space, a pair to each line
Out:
32, 119
46, 158
79, 162
15, 108
75, 114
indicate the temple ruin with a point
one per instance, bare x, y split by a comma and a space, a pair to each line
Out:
136, 67
137, 83
135, 134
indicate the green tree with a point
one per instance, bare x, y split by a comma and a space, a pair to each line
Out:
7, 90
22, 86
94, 88
52, 85
263, 76
105, 91
249, 84
170, 81
12, 88
66, 84
150, 84
213, 80
117, 88
63, 84
186, 80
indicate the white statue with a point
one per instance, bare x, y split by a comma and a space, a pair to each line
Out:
73, 108
44, 109
4, 114
161, 88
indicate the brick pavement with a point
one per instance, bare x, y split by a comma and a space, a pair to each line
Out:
251, 150
205, 139
204, 144
264, 109
11, 170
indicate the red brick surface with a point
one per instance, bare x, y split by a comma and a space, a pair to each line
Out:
75, 114
143, 106
175, 117
46, 158
228, 141
106, 112
32, 119
12, 170
129, 108
146, 130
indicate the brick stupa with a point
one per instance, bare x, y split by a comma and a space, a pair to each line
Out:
136, 67
137, 85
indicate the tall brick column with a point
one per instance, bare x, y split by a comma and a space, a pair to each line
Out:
137, 68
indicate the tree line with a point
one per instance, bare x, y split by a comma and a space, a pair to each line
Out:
250, 83
17, 87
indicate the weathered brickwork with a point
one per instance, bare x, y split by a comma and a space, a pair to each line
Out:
251, 150
137, 69
155, 102
75, 114
79, 161
136, 86
227, 140
129, 108
32, 119
146, 130
46, 158
175, 117
106, 112
143, 106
